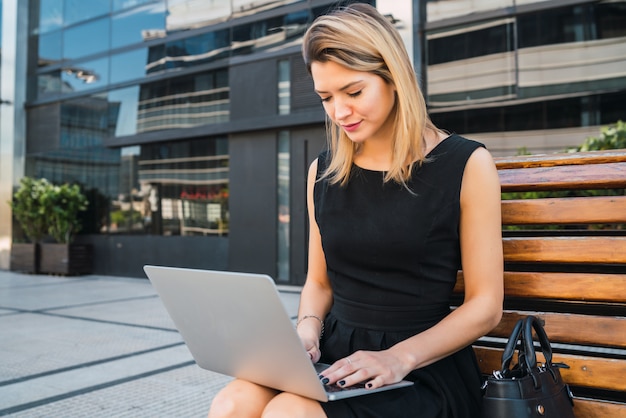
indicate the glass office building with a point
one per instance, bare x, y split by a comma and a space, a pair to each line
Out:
190, 124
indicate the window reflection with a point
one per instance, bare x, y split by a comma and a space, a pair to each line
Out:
128, 65
189, 14
264, 34
49, 48
50, 16
86, 39
48, 84
184, 102
74, 153
284, 206
125, 4
188, 52
124, 104
284, 87
80, 10
85, 75
175, 188
138, 25
446, 9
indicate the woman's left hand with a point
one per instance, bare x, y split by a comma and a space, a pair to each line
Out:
373, 368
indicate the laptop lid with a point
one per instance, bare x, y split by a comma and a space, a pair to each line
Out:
235, 324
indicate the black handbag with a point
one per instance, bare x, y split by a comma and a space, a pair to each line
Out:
527, 390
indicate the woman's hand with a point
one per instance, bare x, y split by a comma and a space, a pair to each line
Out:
373, 368
311, 342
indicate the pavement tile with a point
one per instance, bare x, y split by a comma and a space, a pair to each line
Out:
97, 346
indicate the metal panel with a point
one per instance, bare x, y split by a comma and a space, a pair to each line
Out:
253, 205
253, 90
124, 255
306, 145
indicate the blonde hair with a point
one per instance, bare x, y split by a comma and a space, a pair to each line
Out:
358, 37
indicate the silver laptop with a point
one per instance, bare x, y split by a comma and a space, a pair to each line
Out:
235, 324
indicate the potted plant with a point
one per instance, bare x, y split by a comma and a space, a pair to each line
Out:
30, 214
62, 204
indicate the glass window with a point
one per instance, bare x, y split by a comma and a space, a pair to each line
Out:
192, 51
610, 19
184, 102
80, 10
50, 16
48, 84
284, 88
272, 32
188, 14
612, 107
90, 38
127, 4
563, 113
446, 9
79, 156
553, 26
138, 25
85, 75
123, 107
49, 48
128, 65
181, 189
284, 206
470, 42
524, 117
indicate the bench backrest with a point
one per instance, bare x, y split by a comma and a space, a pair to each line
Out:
565, 262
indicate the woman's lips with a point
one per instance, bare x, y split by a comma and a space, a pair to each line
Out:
351, 127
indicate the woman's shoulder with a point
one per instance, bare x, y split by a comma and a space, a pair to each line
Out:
456, 141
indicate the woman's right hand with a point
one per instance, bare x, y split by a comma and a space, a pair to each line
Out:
310, 340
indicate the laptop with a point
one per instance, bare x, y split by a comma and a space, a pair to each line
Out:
236, 324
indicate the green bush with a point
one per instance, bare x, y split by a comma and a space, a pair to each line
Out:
63, 204
43, 208
28, 207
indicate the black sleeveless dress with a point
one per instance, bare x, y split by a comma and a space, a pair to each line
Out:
392, 258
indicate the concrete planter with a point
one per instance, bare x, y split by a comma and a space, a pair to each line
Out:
25, 257
66, 259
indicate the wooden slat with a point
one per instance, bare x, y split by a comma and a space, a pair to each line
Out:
578, 287
590, 408
569, 177
562, 211
551, 160
595, 250
594, 330
584, 371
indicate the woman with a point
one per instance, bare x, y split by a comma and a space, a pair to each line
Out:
396, 207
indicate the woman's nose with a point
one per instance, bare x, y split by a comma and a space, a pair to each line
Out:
342, 110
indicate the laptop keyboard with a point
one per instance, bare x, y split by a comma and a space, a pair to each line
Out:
320, 367
336, 388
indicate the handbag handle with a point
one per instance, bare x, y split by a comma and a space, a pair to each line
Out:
509, 349
530, 323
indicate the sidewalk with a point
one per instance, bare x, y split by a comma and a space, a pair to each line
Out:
97, 346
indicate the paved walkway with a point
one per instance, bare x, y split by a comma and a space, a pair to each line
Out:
97, 346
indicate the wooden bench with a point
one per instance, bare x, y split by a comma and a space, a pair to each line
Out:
565, 262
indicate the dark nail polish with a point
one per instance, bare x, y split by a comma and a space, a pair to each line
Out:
341, 382
320, 376
325, 380
369, 385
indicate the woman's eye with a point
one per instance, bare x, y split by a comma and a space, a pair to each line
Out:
355, 94
325, 99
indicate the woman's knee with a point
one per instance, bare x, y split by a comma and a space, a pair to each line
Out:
240, 399
287, 405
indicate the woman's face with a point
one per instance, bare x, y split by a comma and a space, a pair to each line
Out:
360, 102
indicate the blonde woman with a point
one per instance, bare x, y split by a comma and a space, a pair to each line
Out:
396, 208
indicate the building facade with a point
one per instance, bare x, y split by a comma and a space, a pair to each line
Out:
190, 125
